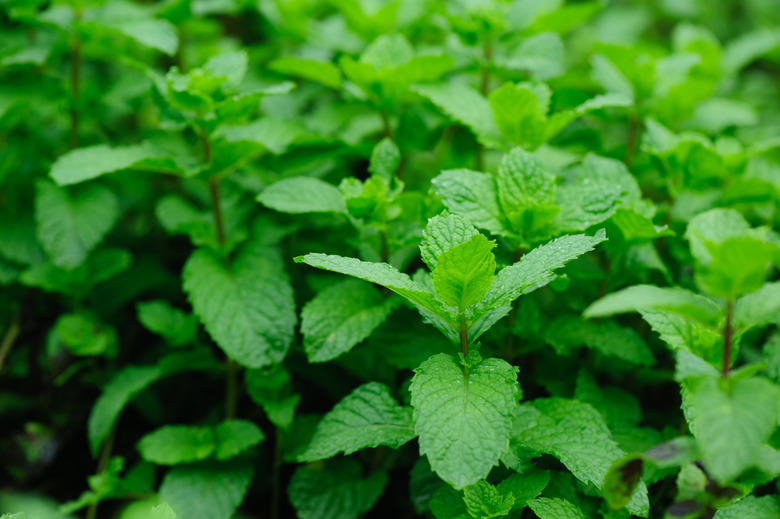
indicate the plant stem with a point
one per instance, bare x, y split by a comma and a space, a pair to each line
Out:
10, 336
728, 334
214, 191
105, 457
464, 335
75, 79
484, 88
386, 124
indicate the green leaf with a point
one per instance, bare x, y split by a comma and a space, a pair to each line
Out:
555, 508
100, 266
651, 298
467, 106
441, 233
537, 267
576, 434
484, 501
367, 417
760, 308
447, 503
18, 242
731, 424
177, 327
320, 71
303, 195
463, 419
519, 116
608, 338
84, 335
385, 159
272, 390
71, 224
232, 437
162, 511
340, 317
715, 227
381, 274
748, 47
472, 195
86, 163
231, 66
525, 486
207, 490
621, 481
266, 134
751, 506
337, 491
116, 394
155, 34
248, 310
464, 272
176, 444
523, 181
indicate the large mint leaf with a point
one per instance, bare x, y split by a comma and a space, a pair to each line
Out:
467, 106
337, 491
519, 115
523, 181
249, 309
381, 274
463, 419
340, 317
86, 163
472, 195
207, 490
732, 424
576, 434
464, 272
71, 223
367, 417
441, 233
303, 195
651, 298
537, 267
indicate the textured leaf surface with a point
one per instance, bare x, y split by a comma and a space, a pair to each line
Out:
464, 423
340, 317
555, 508
303, 195
732, 426
336, 492
248, 310
441, 233
465, 105
753, 507
486, 501
207, 490
576, 434
523, 181
472, 195
71, 223
367, 417
537, 267
525, 486
86, 163
464, 272
175, 444
608, 338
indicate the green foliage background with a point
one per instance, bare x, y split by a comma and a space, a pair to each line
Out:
558, 218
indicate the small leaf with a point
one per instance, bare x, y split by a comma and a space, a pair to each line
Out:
232, 437
760, 308
464, 272
320, 71
176, 444
484, 501
441, 233
161, 318
303, 195
385, 159
472, 195
367, 417
555, 508
272, 390
463, 419
86, 163
765, 507
519, 116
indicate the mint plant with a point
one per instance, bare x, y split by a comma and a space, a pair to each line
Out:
365, 258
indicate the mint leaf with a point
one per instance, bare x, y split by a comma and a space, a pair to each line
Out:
463, 419
555, 508
86, 163
576, 434
751, 506
464, 272
176, 444
303, 195
207, 490
472, 195
748, 47
523, 181
248, 310
72, 223
537, 267
385, 159
232, 437
162, 511
367, 417
337, 491
524, 486
520, 114
467, 106
731, 425
441, 233
608, 338
760, 308
177, 327
483, 500
320, 71
272, 390
340, 317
